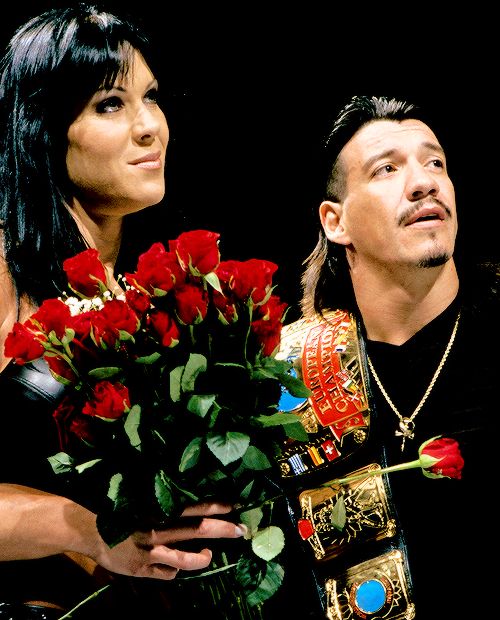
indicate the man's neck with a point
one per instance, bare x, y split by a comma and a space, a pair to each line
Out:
394, 309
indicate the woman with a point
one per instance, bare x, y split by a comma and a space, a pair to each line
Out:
83, 146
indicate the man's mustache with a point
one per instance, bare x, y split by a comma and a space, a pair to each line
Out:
423, 202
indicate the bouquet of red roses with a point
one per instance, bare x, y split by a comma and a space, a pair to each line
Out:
172, 391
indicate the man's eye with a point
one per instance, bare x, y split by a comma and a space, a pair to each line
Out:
385, 169
437, 163
111, 104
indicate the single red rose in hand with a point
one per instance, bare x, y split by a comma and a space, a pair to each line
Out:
85, 272
197, 251
440, 457
110, 401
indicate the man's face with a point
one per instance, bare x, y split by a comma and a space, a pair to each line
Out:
398, 208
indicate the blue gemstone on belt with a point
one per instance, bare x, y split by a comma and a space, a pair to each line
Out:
370, 596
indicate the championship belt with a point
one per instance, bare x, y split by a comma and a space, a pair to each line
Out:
326, 355
350, 529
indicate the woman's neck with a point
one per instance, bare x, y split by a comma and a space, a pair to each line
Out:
103, 233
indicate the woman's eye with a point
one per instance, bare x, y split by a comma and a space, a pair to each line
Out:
111, 104
152, 95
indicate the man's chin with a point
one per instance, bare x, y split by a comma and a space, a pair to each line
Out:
434, 260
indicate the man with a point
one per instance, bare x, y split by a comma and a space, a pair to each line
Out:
397, 348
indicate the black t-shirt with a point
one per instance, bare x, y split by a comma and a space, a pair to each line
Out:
449, 525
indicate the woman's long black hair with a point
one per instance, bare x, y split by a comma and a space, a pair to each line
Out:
52, 66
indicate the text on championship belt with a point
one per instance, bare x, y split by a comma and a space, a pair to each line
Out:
337, 399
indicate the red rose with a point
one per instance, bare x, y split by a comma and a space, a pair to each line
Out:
68, 421
226, 306
251, 279
110, 401
82, 323
85, 271
23, 344
440, 457
197, 251
166, 328
268, 327
60, 368
115, 316
156, 269
139, 302
191, 304
53, 315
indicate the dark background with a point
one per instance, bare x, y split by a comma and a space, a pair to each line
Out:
256, 84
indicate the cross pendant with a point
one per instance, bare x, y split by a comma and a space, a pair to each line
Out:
407, 427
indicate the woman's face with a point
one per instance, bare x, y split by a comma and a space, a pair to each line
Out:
117, 146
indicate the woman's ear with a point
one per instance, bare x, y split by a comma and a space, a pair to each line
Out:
330, 214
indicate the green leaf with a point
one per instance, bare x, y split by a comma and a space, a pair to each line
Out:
191, 454
61, 463
228, 447
159, 292
148, 359
294, 385
268, 585
163, 492
200, 404
175, 383
213, 279
131, 425
125, 336
196, 363
245, 493
277, 419
268, 543
338, 514
104, 372
281, 369
255, 459
114, 487
275, 366
83, 466
296, 431
252, 518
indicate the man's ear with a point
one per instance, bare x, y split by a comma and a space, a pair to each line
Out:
330, 214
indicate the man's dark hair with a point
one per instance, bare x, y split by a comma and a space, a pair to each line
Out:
326, 282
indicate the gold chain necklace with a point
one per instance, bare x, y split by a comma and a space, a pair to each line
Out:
406, 424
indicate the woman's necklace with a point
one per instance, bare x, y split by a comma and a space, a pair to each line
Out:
406, 424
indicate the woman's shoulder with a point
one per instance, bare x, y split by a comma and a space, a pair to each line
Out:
8, 307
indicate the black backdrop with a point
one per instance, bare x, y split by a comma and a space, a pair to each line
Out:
255, 85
